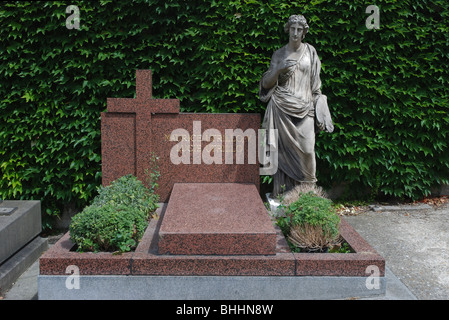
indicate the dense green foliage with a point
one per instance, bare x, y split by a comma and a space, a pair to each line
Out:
116, 219
387, 89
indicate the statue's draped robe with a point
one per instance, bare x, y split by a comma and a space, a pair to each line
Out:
290, 110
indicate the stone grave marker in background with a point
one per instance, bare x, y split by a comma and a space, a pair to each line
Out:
20, 244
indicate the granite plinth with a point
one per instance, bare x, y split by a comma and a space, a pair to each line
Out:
216, 219
184, 288
18, 263
20, 244
147, 260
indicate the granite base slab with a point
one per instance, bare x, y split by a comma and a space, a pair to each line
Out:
147, 261
146, 274
206, 288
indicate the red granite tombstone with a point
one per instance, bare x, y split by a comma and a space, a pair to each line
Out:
134, 129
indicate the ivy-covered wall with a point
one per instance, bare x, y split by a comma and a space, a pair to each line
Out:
387, 88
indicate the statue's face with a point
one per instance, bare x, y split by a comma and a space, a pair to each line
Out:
296, 32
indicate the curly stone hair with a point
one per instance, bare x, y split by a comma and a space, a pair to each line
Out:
300, 19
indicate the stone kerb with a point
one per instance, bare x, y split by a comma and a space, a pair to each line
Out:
146, 259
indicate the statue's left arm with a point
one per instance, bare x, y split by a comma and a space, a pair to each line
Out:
322, 114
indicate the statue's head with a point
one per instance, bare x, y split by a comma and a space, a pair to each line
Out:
299, 19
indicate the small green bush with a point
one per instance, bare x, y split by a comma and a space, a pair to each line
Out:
107, 228
117, 217
314, 221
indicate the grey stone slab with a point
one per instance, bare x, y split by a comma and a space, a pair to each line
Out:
204, 287
19, 227
17, 264
26, 287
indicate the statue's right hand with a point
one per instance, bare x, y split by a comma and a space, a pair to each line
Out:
284, 65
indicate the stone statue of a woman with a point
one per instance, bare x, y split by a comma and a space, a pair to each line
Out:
292, 88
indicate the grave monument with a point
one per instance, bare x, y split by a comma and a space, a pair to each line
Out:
214, 238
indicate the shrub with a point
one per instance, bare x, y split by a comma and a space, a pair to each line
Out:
109, 227
310, 222
311, 238
117, 217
